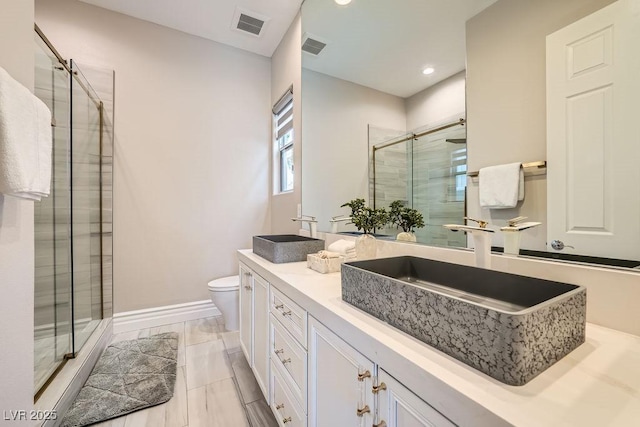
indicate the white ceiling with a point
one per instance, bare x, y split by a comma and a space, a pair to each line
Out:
382, 44
212, 19
385, 44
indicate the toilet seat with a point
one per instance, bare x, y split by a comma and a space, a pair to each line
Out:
224, 284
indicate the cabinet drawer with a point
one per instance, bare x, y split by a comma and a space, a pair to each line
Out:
291, 315
284, 406
291, 358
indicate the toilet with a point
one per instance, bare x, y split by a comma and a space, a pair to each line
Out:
224, 293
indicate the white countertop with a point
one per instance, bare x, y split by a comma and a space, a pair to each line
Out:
597, 384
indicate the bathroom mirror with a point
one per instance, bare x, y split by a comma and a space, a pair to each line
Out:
344, 98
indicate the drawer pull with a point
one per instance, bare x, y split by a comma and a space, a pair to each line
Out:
375, 389
247, 287
280, 406
279, 351
380, 424
361, 412
365, 374
286, 313
279, 306
285, 361
286, 420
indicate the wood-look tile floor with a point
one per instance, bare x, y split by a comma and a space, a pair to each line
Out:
214, 388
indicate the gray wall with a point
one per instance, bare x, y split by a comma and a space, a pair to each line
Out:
192, 142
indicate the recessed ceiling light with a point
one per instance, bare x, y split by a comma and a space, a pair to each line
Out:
428, 71
343, 2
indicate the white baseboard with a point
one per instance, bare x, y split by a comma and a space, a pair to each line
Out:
159, 316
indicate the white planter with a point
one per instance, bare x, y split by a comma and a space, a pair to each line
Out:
406, 237
366, 247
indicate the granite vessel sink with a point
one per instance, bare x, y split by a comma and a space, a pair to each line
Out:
510, 327
280, 248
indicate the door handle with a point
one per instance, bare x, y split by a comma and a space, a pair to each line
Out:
559, 245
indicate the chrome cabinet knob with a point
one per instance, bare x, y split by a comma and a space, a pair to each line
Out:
559, 245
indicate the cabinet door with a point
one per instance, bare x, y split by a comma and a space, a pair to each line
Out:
339, 381
399, 407
260, 363
246, 309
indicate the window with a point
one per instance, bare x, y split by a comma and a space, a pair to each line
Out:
459, 172
283, 144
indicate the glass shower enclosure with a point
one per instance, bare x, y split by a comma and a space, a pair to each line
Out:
426, 169
70, 226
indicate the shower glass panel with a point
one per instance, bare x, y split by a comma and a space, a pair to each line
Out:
73, 249
439, 169
85, 208
52, 309
427, 170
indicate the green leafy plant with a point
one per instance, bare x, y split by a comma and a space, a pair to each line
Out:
404, 217
366, 218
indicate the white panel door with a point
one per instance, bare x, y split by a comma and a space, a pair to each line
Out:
246, 313
593, 133
260, 363
399, 407
339, 381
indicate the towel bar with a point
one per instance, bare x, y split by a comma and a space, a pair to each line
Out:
531, 168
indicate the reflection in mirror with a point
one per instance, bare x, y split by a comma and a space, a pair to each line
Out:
426, 170
350, 88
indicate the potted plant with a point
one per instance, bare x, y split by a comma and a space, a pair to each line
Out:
406, 218
366, 219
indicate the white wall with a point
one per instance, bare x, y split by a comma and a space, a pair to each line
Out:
335, 162
286, 64
444, 101
16, 235
506, 97
192, 121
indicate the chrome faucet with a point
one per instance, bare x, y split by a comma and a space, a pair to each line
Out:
313, 224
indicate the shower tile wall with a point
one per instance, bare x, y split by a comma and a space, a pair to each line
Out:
391, 168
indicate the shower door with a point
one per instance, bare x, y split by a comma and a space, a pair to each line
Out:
53, 295
439, 180
85, 208
68, 304
426, 170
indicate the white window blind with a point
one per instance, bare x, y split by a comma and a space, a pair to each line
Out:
283, 124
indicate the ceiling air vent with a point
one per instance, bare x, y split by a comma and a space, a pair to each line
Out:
312, 44
249, 22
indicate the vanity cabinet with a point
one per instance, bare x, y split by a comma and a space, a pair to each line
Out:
288, 354
254, 325
310, 375
246, 313
340, 381
397, 406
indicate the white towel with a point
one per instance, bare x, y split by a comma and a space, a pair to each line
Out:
25, 141
328, 254
342, 246
501, 187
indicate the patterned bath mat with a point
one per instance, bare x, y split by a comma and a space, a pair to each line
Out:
129, 376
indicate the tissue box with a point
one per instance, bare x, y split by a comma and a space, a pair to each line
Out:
324, 265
